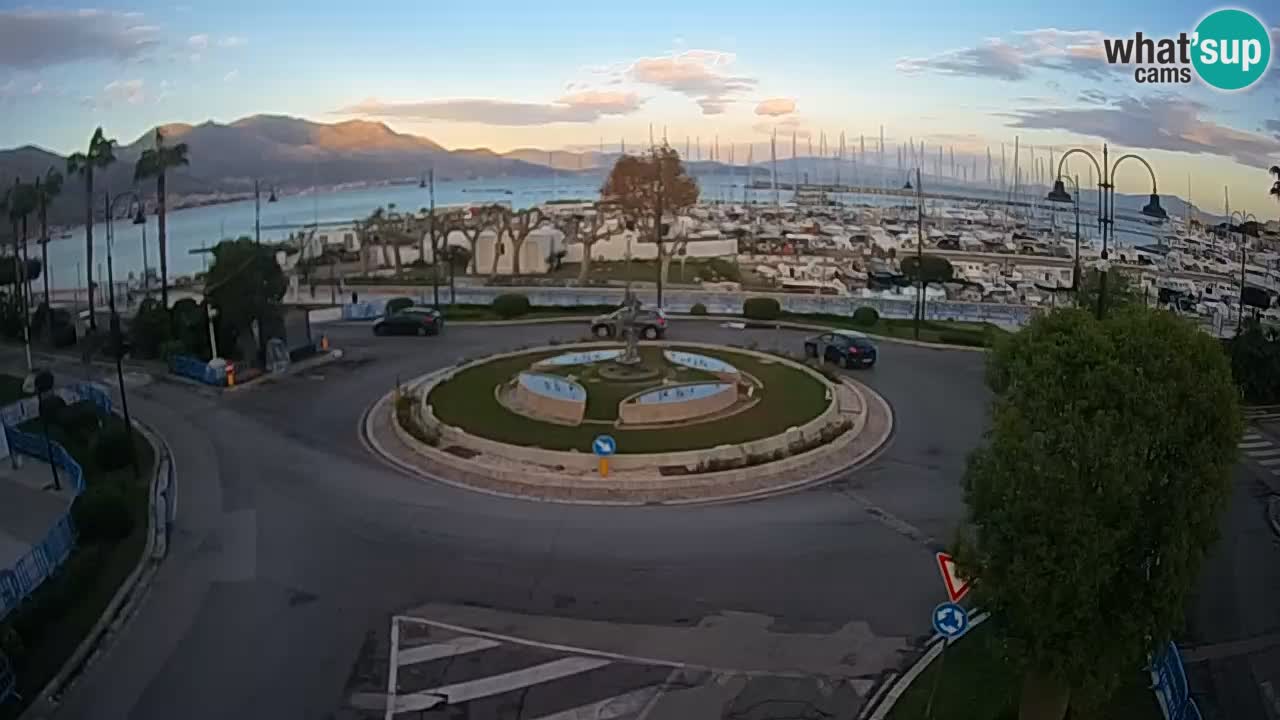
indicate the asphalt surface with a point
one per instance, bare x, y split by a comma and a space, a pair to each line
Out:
312, 544
295, 548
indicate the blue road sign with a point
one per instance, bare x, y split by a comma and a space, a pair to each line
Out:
604, 445
950, 620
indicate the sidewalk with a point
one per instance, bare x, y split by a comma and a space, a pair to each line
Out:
27, 511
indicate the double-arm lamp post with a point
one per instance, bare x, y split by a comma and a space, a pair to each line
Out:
1106, 205
1244, 254
117, 342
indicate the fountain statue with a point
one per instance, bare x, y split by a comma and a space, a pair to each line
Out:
628, 331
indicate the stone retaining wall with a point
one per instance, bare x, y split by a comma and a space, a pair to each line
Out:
631, 412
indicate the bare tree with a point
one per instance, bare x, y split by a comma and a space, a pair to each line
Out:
518, 226
587, 231
473, 226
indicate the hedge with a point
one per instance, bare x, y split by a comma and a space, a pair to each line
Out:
511, 305
866, 316
761, 308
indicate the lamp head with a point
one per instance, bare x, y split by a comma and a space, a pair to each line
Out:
1059, 192
907, 185
140, 218
1153, 210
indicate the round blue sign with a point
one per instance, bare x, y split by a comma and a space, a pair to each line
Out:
950, 620
604, 445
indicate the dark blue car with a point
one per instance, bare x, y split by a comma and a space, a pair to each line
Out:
843, 347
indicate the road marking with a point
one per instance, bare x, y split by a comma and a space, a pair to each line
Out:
495, 684
435, 651
1253, 445
1263, 453
391, 673
1252, 436
607, 709
1272, 461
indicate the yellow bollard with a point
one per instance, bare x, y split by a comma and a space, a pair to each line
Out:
231, 375
604, 467
324, 343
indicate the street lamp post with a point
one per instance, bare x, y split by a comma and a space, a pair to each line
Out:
1074, 200
1244, 247
1107, 205
919, 250
117, 342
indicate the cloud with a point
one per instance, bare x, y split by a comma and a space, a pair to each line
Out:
1093, 97
776, 107
232, 41
231, 76
33, 39
198, 42
701, 75
132, 92
1079, 52
580, 107
785, 129
1274, 127
1161, 122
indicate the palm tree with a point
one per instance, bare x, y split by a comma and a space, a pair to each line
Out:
101, 153
155, 163
46, 192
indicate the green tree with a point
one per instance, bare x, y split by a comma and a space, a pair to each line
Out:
646, 187
245, 284
1097, 494
48, 189
1120, 290
100, 154
1275, 185
923, 270
156, 163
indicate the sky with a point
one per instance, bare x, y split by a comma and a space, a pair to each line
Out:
509, 74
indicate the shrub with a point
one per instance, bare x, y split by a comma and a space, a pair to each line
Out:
511, 305
761, 308
51, 407
967, 339
151, 328
102, 514
79, 419
169, 348
866, 316
395, 305
112, 446
698, 309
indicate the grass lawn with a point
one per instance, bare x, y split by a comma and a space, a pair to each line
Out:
970, 681
790, 397
949, 332
57, 617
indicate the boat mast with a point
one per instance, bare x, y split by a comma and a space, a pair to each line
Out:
773, 159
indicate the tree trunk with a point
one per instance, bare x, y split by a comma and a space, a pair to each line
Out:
396, 250
517, 242
473, 242
88, 242
497, 244
164, 245
1043, 697
585, 269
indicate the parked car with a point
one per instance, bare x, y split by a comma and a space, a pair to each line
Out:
843, 347
652, 324
411, 321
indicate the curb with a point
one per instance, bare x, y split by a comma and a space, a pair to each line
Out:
364, 430
126, 600
897, 684
1273, 514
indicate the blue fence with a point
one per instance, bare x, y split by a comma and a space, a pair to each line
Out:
8, 682
198, 370
1169, 682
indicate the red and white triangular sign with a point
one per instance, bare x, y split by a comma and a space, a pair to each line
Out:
957, 588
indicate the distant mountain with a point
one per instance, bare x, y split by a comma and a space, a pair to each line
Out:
282, 152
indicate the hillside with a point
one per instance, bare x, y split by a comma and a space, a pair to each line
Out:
283, 152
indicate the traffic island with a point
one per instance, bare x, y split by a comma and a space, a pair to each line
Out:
715, 424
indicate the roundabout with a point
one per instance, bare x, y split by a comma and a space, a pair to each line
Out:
691, 422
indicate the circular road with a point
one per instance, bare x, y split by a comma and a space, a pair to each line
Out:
319, 542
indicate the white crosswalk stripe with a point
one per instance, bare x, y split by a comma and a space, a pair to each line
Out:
494, 684
1269, 462
1251, 436
1263, 453
435, 651
1253, 445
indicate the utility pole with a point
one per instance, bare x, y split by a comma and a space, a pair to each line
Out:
919, 252
657, 221
431, 228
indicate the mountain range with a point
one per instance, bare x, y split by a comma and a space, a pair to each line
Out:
286, 153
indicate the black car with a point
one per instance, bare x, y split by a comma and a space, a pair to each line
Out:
842, 347
410, 321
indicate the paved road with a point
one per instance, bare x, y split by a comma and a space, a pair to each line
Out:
295, 547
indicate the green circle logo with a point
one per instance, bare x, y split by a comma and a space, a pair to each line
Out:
1232, 49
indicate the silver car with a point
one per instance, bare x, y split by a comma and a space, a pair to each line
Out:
652, 324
